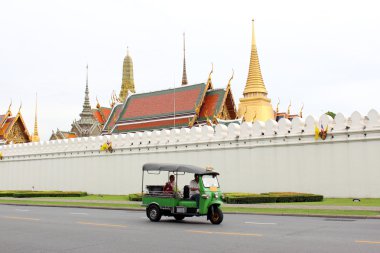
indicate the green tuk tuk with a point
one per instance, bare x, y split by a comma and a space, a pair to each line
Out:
178, 203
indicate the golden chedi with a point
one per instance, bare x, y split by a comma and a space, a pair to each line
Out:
255, 105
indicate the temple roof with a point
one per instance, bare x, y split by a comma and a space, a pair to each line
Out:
7, 121
112, 119
62, 135
212, 104
179, 107
101, 114
179, 101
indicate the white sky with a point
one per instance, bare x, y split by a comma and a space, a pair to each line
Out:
324, 54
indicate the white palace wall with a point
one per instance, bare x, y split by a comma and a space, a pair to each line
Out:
260, 157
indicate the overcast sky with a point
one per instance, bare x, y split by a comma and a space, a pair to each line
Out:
325, 54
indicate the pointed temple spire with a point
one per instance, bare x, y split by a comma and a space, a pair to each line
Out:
35, 137
255, 105
255, 81
85, 124
86, 112
184, 75
127, 83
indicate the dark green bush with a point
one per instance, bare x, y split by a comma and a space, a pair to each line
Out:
135, 197
34, 194
271, 197
249, 199
6, 194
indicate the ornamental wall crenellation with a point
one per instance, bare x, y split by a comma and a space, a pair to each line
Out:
283, 132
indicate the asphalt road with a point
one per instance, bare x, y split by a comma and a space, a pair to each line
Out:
51, 229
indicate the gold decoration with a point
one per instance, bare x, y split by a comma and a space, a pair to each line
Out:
290, 104
209, 82
278, 103
301, 110
255, 103
35, 137
16, 134
107, 146
9, 108
97, 103
321, 133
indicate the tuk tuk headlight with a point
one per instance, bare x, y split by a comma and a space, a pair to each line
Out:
205, 196
216, 195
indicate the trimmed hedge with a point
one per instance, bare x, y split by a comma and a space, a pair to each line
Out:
135, 197
6, 194
34, 194
272, 197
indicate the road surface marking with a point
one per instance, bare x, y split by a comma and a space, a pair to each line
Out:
221, 233
79, 213
368, 242
20, 218
260, 223
101, 224
22, 210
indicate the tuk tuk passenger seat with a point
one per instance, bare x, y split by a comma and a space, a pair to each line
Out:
186, 192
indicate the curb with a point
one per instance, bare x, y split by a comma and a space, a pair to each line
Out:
142, 210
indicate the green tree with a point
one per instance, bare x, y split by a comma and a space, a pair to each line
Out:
331, 114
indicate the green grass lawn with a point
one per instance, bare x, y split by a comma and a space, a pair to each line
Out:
57, 203
336, 202
301, 211
97, 197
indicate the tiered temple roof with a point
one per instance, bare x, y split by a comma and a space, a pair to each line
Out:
13, 128
177, 107
101, 114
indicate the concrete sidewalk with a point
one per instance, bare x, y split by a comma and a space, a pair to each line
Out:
272, 205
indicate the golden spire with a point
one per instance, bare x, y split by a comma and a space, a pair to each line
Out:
290, 104
127, 83
255, 81
35, 137
232, 77
209, 82
301, 110
278, 103
19, 109
97, 103
10, 105
255, 105
184, 75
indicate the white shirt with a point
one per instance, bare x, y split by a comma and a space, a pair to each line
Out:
193, 184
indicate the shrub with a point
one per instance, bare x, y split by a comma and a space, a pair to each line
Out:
271, 197
6, 194
135, 197
33, 194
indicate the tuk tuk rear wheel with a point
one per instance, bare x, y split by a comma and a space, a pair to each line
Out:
154, 213
179, 216
216, 215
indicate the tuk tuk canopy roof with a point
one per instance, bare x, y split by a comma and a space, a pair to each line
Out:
178, 168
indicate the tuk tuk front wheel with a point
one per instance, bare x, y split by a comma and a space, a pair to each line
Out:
154, 213
216, 215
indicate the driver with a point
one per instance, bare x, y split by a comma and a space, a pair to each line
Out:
169, 186
194, 189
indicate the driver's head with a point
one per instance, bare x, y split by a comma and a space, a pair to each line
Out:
171, 178
196, 177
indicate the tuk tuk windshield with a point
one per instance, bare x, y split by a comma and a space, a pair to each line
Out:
210, 181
